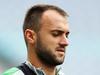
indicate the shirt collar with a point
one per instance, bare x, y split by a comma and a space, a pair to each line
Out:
39, 71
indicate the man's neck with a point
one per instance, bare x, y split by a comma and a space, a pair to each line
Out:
49, 70
46, 69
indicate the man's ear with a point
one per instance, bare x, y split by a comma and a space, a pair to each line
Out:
30, 36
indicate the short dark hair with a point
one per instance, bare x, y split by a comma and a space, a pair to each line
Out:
33, 16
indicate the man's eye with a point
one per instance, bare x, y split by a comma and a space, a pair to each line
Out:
66, 36
55, 34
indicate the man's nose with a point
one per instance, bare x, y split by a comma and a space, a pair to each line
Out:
64, 41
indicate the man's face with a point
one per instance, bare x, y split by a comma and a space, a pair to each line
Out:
52, 38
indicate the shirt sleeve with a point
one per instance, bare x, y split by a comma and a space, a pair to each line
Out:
13, 71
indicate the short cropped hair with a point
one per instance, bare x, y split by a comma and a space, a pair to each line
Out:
33, 16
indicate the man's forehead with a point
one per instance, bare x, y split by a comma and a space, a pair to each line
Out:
50, 16
52, 19
51, 12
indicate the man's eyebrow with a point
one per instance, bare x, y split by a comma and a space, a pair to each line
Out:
57, 30
61, 31
67, 32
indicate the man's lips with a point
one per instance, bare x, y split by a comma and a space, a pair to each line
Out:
61, 49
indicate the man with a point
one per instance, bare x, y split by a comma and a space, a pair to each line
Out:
46, 35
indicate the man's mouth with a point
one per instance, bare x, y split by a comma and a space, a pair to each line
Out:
60, 50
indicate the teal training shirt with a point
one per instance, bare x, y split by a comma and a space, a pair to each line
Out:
27, 69
13, 71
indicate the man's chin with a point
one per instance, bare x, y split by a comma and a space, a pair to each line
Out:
59, 62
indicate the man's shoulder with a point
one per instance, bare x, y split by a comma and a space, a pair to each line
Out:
13, 71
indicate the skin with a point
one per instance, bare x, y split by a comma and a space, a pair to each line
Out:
50, 41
